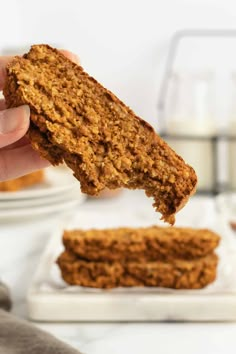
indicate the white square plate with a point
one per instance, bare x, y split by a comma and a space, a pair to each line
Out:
50, 299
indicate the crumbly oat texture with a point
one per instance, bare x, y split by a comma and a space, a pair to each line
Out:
140, 244
76, 120
22, 182
177, 274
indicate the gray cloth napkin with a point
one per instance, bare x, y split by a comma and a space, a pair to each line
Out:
5, 300
20, 337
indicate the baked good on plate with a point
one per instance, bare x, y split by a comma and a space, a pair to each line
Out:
179, 258
176, 274
140, 244
22, 182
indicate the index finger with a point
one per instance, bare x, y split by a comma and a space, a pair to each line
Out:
3, 63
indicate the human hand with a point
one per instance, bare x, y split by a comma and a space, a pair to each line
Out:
17, 157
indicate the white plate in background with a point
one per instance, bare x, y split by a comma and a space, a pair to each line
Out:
63, 206
74, 194
50, 299
57, 180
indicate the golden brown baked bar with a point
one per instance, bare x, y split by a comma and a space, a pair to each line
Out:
76, 120
177, 274
140, 244
22, 182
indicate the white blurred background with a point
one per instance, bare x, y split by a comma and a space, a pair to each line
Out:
122, 43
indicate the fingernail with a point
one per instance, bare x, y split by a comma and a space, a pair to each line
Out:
75, 59
13, 119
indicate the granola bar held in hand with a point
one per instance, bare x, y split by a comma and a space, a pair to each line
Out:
76, 120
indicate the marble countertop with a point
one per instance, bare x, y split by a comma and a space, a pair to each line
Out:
21, 245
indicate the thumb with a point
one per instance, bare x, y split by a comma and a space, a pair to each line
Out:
73, 57
14, 123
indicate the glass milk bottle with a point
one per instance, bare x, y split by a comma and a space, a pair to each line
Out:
232, 136
190, 126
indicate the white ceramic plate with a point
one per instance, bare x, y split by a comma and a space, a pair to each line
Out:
74, 194
50, 299
11, 215
57, 180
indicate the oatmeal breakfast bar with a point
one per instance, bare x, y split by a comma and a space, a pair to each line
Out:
177, 274
22, 182
76, 120
140, 244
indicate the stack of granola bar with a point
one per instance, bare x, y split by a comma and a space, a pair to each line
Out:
170, 257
